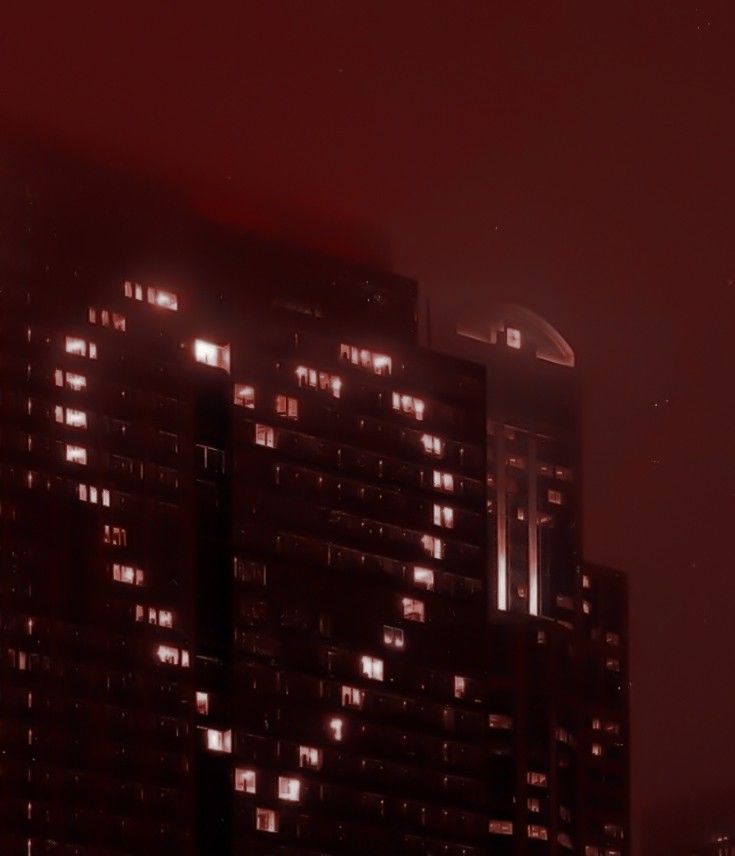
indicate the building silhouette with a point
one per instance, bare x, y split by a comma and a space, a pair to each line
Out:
275, 578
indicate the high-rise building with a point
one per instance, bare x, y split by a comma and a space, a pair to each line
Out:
274, 578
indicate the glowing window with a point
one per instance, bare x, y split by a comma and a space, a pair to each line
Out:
533, 804
393, 636
597, 749
244, 395
460, 686
310, 758
336, 728
202, 703
289, 789
71, 417
371, 667
500, 721
164, 299
209, 354
287, 406
501, 827
540, 832
265, 436
410, 405
245, 780
596, 724
219, 741
133, 290
168, 655
80, 347
444, 481
127, 574
165, 618
513, 337
443, 516
612, 638
612, 664
413, 610
555, 497
586, 607
116, 536
319, 380
586, 583
381, 364
540, 780
266, 820
76, 455
433, 446
433, 546
424, 577
70, 380
352, 697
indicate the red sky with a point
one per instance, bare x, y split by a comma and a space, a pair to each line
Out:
573, 157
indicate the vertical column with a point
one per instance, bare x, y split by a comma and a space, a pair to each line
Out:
532, 472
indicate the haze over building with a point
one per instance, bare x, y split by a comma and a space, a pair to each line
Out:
276, 578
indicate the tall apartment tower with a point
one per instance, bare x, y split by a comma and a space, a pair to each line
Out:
276, 579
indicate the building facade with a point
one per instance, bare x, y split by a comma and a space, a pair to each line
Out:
274, 578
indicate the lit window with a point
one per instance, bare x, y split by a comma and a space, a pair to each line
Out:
596, 724
443, 481
540, 780
424, 577
336, 727
562, 735
76, 418
460, 686
513, 337
70, 380
501, 827
378, 363
352, 697
244, 395
76, 455
586, 607
266, 820
209, 354
164, 299
310, 758
80, 347
393, 636
433, 546
219, 741
555, 497
117, 536
372, 667
127, 574
612, 664
443, 516
500, 721
612, 638
586, 583
245, 780
168, 655
432, 445
289, 789
165, 618
533, 804
133, 290
319, 380
597, 749
202, 703
410, 405
413, 610
265, 436
539, 832
287, 406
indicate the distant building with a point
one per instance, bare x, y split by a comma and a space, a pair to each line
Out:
276, 579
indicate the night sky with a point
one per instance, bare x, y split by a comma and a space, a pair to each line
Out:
573, 158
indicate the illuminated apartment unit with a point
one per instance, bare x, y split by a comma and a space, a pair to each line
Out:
250, 590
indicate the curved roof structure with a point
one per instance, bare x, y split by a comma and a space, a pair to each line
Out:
548, 342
